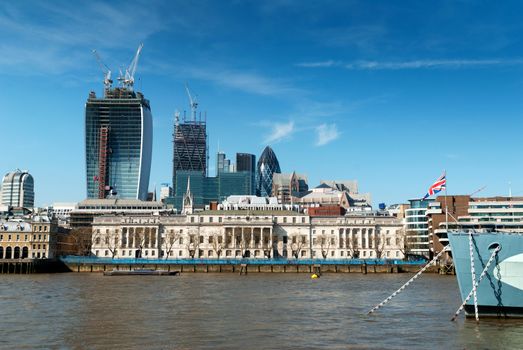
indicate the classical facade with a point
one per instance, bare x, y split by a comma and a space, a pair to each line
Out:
247, 234
35, 238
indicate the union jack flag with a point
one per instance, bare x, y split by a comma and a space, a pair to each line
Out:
437, 186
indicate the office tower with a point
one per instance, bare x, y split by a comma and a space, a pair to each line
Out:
267, 165
118, 140
190, 148
223, 165
18, 189
246, 162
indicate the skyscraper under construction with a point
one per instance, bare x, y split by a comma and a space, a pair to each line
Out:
190, 142
190, 147
118, 139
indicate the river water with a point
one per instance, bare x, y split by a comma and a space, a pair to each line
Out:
228, 311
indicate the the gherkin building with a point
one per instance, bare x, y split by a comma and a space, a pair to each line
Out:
267, 165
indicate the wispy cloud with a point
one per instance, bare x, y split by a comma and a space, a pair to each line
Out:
326, 133
61, 41
243, 80
414, 64
280, 132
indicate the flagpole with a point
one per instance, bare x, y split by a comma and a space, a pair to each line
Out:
446, 205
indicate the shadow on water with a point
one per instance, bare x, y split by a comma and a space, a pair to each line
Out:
263, 311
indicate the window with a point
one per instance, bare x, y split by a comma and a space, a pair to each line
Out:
201, 239
364, 253
284, 219
341, 253
210, 219
332, 253
284, 239
209, 253
220, 219
294, 220
192, 218
180, 253
106, 253
303, 253
17, 237
303, 220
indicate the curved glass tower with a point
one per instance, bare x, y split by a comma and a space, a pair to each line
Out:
118, 144
267, 165
18, 189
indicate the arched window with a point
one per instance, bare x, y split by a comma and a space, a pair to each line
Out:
8, 251
1, 252
25, 252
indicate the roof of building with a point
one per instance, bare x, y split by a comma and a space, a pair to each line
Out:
248, 212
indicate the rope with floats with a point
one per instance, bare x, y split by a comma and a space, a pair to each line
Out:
483, 273
432, 262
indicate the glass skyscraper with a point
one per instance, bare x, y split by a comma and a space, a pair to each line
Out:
267, 165
246, 162
118, 144
206, 189
18, 189
190, 149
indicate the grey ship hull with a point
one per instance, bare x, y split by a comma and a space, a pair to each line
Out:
500, 293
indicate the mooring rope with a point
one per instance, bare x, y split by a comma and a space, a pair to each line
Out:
483, 273
432, 262
473, 273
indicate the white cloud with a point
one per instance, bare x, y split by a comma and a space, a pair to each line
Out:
414, 64
326, 133
245, 81
279, 132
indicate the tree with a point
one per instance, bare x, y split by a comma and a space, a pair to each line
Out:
326, 244
267, 247
297, 245
107, 240
193, 244
82, 240
217, 244
139, 241
353, 246
379, 244
402, 241
171, 236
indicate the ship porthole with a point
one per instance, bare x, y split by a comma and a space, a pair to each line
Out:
494, 246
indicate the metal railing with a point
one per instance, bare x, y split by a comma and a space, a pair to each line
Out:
238, 261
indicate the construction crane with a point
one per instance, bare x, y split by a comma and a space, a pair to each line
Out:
107, 72
192, 101
478, 190
127, 79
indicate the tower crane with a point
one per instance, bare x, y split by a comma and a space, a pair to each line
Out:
192, 101
478, 190
107, 72
127, 79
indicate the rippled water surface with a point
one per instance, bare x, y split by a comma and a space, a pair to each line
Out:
227, 311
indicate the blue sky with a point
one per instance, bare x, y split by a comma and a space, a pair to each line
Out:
388, 93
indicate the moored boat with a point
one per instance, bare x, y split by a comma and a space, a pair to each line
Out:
500, 292
141, 272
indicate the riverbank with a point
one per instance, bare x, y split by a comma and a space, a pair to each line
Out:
239, 266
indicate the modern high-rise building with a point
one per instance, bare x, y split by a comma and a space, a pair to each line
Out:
223, 165
18, 189
118, 144
267, 165
246, 162
190, 148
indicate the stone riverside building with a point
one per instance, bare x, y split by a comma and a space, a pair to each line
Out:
228, 234
33, 238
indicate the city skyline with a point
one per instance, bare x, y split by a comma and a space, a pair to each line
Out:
339, 91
